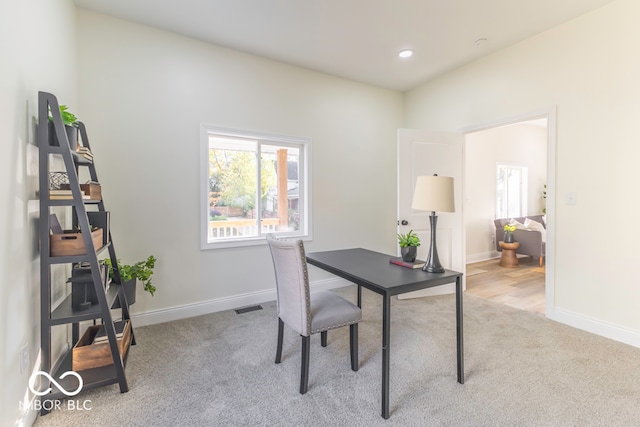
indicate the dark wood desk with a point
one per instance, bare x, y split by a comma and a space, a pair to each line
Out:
373, 271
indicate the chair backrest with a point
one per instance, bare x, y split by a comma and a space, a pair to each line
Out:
292, 283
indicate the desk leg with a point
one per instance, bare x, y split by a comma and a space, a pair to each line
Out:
386, 342
359, 296
459, 334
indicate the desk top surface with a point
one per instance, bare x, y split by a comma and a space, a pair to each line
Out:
374, 271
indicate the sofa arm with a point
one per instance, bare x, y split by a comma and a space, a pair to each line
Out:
530, 242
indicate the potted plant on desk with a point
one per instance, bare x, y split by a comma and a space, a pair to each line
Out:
408, 246
130, 274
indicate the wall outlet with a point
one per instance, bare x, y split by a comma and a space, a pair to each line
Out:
24, 358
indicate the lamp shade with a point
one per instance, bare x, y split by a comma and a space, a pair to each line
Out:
434, 193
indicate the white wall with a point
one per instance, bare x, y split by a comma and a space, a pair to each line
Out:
143, 95
37, 47
519, 144
589, 69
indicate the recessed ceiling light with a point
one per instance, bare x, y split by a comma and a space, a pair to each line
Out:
405, 53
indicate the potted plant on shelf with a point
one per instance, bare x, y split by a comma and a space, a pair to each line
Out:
508, 233
408, 246
130, 274
70, 122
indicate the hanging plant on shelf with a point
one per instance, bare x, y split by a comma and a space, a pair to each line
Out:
142, 270
68, 118
70, 122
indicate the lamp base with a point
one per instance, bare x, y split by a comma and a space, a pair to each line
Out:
433, 262
433, 269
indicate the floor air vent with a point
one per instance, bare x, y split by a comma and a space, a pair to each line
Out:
248, 309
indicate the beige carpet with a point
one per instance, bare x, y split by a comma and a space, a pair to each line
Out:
521, 370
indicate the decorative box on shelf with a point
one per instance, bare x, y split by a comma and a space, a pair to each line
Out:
70, 242
93, 190
89, 355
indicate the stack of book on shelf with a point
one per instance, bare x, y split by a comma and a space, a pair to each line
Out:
415, 264
101, 335
84, 152
63, 194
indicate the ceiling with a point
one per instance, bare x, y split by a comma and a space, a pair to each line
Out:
356, 39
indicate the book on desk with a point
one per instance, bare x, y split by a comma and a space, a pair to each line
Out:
415, 264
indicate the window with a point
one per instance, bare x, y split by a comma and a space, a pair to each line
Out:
511, 191
253, 184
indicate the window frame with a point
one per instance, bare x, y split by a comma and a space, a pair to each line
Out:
523, 190
304, 187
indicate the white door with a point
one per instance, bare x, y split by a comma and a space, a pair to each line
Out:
426, 153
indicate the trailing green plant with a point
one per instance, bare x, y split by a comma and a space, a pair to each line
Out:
68, 118
142, 270
409, 239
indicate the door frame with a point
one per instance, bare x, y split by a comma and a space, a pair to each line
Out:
550, 114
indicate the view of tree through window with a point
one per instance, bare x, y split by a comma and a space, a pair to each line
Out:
251, 182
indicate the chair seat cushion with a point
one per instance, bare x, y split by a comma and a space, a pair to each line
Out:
329, 311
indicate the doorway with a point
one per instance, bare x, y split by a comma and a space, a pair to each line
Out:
526, 141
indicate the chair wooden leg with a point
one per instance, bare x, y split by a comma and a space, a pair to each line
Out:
323, 338
353, 341
279, 345
304, 365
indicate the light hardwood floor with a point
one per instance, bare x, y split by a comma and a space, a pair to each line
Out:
521, 287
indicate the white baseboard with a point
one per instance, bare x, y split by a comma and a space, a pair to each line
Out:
482, 257
29, 414
221, 304
627, 336
598, 327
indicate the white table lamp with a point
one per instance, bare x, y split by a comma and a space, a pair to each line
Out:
435, 194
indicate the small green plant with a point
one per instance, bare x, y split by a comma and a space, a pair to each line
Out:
141, 270
68, 118
409, 239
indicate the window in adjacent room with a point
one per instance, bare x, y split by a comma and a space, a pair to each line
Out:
511, 190
253, 184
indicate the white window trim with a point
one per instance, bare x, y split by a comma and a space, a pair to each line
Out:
524, 186
304, 183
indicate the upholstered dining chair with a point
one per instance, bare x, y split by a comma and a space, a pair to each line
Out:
308, 313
